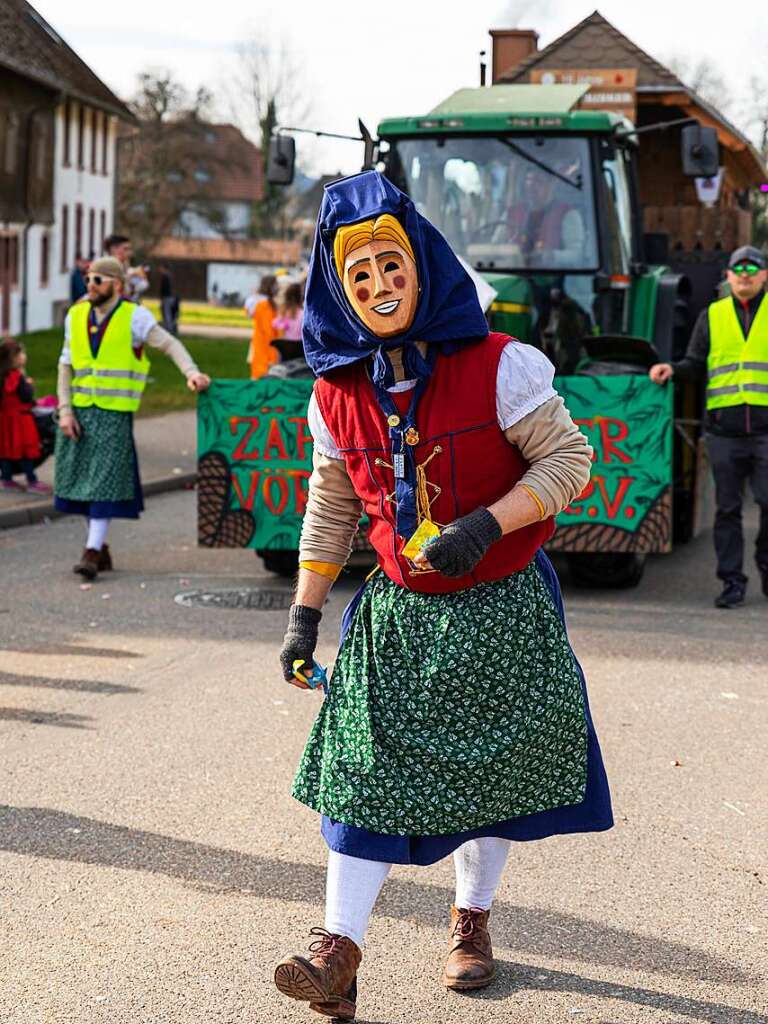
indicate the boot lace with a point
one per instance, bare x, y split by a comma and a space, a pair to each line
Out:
466, 924
325, 944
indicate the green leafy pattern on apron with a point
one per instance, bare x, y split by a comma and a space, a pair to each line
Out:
447, 712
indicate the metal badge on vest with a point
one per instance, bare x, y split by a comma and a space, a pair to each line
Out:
110, 374
737, 369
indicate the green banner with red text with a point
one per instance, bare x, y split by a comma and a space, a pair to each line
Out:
627, 504
255, 459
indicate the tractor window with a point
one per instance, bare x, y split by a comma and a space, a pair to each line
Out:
505, 204
619, 211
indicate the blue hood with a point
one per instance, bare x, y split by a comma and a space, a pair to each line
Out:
448, 313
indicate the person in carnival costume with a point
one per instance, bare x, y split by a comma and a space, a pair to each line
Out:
456, 720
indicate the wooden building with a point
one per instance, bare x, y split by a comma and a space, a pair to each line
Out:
672, 209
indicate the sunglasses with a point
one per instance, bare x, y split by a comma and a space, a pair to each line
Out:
746, 268
97, 278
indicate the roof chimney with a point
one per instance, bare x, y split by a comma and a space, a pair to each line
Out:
510, 46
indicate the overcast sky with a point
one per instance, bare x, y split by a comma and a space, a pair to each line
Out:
385, 59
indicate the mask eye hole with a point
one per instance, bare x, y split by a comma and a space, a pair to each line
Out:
361, 275
390, 266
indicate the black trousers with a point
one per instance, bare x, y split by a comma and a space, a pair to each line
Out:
736, 460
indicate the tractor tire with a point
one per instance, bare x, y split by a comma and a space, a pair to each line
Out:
281, 563
606, 571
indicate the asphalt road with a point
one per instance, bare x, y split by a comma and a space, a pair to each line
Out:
153, 866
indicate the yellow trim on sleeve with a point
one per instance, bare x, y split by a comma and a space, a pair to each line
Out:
330, 570
537, 500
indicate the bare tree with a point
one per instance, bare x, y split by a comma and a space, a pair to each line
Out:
755, 119
266, 87
704, 77
165, 169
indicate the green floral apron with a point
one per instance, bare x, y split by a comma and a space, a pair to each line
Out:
447, 712
98, 466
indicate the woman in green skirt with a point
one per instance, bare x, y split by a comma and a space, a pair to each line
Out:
456, 720
103, 370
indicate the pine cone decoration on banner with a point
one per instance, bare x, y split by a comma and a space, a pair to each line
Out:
235, 530
213, 484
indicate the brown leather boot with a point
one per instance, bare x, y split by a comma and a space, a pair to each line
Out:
88, 565
470, 956
105, 559
328, 980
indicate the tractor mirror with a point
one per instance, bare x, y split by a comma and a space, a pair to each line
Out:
700, 151
282, 160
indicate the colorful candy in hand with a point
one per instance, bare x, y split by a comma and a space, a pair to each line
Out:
319, 675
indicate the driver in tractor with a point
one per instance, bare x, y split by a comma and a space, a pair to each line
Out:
545, 221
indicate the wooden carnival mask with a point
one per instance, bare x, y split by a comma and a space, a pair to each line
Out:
375, 262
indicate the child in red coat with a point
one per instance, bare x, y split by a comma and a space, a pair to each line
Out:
19, 439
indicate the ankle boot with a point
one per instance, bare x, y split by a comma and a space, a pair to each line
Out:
88, 565
328, 980
105, 559
470, 955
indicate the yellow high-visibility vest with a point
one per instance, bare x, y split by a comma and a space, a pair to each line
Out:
737, 370
115, 379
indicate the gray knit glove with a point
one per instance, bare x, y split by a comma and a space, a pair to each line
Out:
300, 639
463, 543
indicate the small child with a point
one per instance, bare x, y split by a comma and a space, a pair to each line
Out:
290, 313
19, 439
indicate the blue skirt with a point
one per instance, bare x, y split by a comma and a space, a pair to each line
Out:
593, 814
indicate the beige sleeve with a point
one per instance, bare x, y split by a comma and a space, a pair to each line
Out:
160, 339
559, 454
64, 387
333, 511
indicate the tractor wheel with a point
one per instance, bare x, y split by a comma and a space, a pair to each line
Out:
281, 563
607, 571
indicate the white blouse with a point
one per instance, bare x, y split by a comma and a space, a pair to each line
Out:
523, 383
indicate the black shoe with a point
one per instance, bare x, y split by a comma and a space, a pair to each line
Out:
763, 569
734, 592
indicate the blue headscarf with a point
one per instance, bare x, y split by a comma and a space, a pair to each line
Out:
448, 313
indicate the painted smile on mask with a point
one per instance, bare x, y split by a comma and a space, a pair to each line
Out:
381, 284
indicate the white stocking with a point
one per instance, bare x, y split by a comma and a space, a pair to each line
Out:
352, 887
479, 864
97, 533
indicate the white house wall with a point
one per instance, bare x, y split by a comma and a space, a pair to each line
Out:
72, 186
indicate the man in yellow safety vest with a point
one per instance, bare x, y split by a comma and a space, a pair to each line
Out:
730, 344
103, 370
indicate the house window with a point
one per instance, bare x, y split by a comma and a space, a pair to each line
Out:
81, 137
91, 232
45, 254
95, 120
66, 154
13, 259
78, 230
64, 261
102, 229
40, 144
10, 149
104, 142
202, 175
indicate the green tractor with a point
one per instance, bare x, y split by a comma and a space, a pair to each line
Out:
540, 199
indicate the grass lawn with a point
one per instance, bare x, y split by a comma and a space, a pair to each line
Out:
166, 390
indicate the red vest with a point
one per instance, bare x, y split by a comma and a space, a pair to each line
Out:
470, 460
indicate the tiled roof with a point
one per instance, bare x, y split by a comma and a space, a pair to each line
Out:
221, 250
238, 174
595, 43
30, 47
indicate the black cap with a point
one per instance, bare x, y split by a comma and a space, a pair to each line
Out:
747, 254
